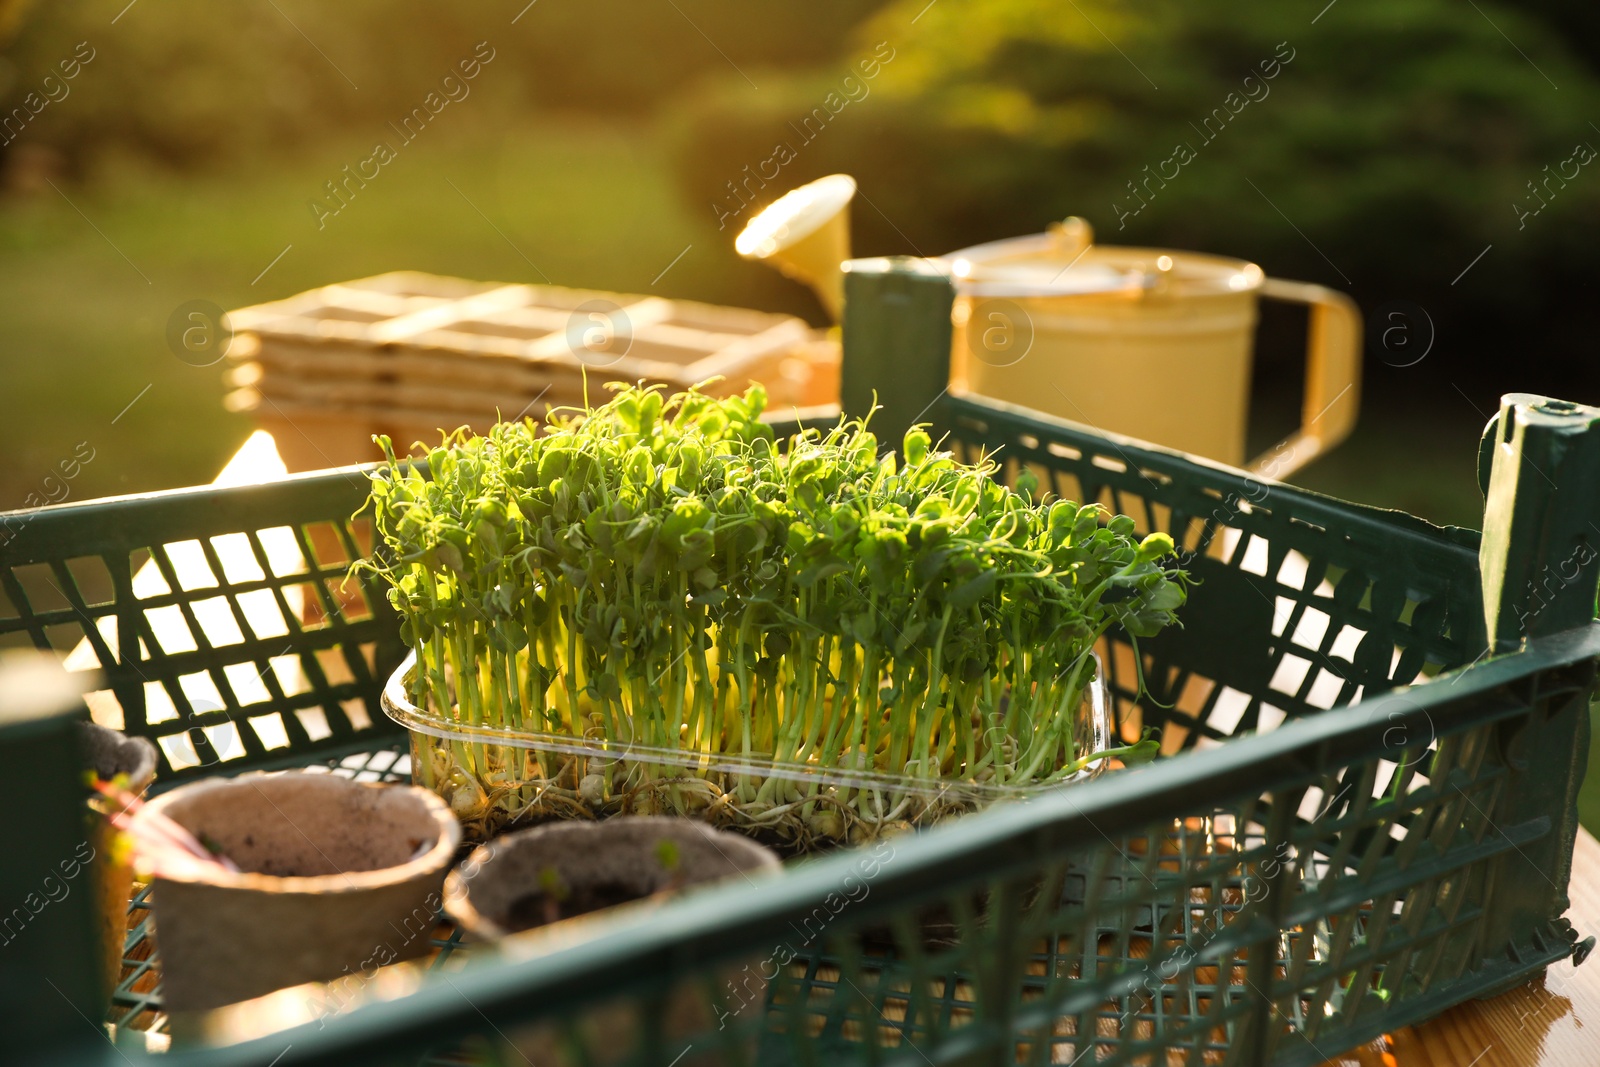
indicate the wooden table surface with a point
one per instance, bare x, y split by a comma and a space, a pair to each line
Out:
1541, 1024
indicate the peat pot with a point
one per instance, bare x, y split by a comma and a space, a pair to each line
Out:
553, 874
336, 877
580, 863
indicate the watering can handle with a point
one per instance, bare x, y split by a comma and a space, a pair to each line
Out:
1333, 377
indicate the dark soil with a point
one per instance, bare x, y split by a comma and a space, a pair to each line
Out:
540, 908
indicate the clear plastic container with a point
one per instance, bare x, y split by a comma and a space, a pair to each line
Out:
495, 778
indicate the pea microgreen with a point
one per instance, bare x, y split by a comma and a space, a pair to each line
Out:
657, 571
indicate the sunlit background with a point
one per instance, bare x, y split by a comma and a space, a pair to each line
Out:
1427, 156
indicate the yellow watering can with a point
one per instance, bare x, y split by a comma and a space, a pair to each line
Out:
1151, 343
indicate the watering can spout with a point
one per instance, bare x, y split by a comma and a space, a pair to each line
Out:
805, 234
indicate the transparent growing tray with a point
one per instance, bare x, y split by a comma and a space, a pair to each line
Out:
496, 778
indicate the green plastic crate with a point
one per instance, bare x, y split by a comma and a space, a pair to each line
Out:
261, 623
1370, 816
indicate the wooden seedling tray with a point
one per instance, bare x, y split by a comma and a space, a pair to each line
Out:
406, 354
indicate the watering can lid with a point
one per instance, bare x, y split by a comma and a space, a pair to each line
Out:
1042, 278
1066, 262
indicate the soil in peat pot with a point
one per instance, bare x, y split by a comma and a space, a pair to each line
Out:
540, 908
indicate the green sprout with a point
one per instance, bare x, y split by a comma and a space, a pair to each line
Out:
657, 574
552, 885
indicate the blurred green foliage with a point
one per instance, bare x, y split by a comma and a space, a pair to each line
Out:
192, 84
1386, 151
1576, 22
1390, 148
